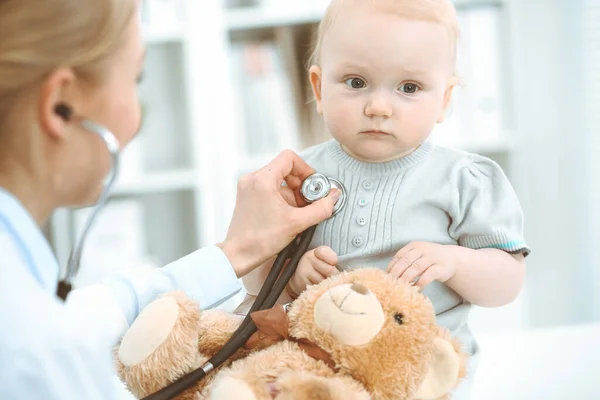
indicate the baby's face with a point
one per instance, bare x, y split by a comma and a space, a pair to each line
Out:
383, 81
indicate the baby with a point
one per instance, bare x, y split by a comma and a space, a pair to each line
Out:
382, 76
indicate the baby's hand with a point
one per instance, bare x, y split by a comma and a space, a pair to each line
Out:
423, 263
314, 266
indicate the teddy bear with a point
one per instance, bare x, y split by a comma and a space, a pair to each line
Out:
357, 335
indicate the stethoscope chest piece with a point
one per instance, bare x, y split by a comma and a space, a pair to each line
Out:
318, 186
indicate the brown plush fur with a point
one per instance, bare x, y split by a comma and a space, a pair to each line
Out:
315, 380
392, 365
306, 386
195, 338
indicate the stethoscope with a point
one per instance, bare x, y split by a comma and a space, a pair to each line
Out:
314, 187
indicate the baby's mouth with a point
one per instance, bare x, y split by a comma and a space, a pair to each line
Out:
375, 132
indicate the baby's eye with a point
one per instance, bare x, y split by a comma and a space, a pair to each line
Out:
409, 88
356, 83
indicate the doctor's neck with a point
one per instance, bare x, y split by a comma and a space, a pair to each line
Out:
27, 180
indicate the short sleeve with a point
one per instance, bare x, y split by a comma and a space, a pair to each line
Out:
486, 212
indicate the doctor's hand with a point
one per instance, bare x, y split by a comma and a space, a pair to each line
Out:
268, 216
314, 266
423, 263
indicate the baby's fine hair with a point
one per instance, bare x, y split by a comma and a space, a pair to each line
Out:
437, 11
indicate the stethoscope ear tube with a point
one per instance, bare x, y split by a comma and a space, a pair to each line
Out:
112, 144
272, 288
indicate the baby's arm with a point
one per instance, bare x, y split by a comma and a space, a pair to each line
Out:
487, 277
484, 277
487, 266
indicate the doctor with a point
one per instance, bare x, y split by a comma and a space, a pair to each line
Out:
88, 55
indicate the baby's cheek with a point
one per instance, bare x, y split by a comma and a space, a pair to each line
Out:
341, 119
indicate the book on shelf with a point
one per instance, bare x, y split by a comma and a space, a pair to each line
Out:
265, 111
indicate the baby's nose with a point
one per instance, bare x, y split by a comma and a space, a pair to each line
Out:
359, 288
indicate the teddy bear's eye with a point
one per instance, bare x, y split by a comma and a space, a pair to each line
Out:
398, 317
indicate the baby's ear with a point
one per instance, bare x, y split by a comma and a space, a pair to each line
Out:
444, 371
451, 84
315, 75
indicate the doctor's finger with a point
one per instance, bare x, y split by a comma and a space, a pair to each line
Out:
289, 196
316, 212
287, 165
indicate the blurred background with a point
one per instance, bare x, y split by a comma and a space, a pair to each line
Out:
226, 89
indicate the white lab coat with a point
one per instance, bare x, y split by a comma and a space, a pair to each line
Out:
52, 350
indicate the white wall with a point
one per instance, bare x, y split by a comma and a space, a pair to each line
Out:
547, 68
591, 49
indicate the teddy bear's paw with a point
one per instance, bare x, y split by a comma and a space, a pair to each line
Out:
228, 387
160, 346
149, 331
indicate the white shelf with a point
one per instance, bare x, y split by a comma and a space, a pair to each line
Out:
158, 182
240, 19
156, 35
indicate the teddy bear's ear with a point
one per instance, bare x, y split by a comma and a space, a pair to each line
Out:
443, 373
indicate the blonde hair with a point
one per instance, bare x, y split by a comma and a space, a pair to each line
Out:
38, 36
437, 11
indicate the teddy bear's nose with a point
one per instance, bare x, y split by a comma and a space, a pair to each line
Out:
359, 288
